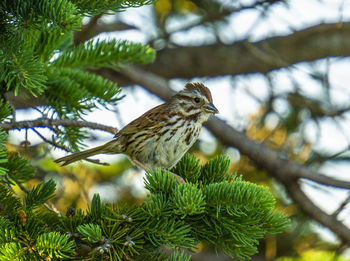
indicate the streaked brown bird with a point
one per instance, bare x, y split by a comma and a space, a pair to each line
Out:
162, 135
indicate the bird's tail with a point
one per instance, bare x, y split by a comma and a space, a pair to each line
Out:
83, 154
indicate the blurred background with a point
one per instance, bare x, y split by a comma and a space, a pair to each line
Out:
278, 71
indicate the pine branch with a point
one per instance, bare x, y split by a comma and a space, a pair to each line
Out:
40, 194
22, 71
75, 89
231, 216
9, 203
91, 232
7, 231
3, 153
19, 169
55, 245
50, 207
97, 54
101, 6
61, 13
178, 256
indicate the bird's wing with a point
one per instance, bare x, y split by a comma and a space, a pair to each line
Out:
148, 121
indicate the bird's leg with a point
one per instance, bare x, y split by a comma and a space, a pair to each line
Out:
143, 166
181, 180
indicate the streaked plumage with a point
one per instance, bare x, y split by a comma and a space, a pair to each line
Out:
162, 135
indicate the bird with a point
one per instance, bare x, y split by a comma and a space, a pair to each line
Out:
161, 136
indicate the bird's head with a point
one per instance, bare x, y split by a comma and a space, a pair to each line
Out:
196, 101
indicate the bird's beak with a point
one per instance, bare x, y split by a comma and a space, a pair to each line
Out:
210, 108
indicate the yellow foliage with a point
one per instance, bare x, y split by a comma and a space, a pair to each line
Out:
270, 247
185, 6
276, 137
315, 255
279, 137
290, 210
305, 152
165, 7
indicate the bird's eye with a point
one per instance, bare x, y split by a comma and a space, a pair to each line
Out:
197, 100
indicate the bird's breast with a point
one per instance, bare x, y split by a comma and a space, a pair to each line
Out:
167, 148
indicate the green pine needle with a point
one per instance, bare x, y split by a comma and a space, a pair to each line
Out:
12, 252
169, 232
10, 205
97, 209
159, 180
90, 232
77, 89
35, 13
156, 205
94, 7
230, 215
40, 194
23, 71
3, 154
178, 256
19, 169
8, 232
188, 168
5, 110
96, 54
188, 200
55, 245
215, 170
72, 137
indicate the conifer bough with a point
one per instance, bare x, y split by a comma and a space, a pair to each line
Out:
213, 207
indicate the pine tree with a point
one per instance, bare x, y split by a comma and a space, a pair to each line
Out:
38, 59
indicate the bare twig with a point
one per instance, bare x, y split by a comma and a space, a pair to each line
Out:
342, 206
213, 14
45, 122
62, 147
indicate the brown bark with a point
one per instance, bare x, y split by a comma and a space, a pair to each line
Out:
95, 27
320, 41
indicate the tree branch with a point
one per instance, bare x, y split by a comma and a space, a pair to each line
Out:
95, 27
285, 171
325, 40
316, 213
44, 122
